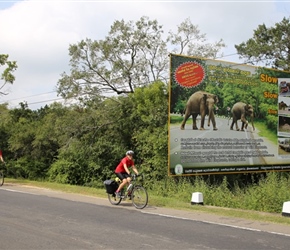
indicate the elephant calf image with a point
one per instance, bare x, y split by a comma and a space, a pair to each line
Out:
200, 103
239, 112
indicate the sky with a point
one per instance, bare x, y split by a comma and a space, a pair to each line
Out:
37, 33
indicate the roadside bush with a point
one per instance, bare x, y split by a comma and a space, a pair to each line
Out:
268, 195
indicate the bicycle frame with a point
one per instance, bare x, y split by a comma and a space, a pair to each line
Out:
126, 193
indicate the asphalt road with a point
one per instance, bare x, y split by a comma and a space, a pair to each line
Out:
34, 218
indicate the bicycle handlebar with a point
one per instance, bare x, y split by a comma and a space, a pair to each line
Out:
135, 176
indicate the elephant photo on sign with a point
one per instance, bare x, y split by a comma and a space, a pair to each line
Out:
200, 103
282, 105
239, 112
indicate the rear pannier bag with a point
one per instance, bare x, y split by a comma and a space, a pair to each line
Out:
111, 186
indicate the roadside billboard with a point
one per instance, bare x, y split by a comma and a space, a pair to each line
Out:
227, 118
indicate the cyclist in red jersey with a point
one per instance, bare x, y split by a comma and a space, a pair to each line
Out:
1, 157
123, 172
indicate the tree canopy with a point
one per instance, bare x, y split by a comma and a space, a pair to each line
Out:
190, 41
269, 45
132, 55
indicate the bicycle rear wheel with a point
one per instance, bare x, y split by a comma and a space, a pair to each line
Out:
139, 197
1, 178
114, 200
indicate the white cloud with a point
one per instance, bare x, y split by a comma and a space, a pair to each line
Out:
37, 34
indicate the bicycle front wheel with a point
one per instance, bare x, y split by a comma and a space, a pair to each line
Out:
114, 200
139, 197
1, 178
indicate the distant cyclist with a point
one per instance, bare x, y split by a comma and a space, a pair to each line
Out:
1, 157
123, 172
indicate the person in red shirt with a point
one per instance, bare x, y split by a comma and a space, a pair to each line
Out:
123, 172
1, 157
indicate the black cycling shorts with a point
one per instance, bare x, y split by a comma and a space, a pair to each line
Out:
123, 175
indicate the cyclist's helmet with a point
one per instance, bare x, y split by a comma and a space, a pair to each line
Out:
130, 152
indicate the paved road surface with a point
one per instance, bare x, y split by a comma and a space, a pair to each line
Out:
35, 218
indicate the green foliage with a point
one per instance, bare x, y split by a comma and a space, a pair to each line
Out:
152, 146
175, 119
272, 122
269, 45
24, 167
7, 75
264, 131
150, 134
267, 195
99, 137
180, 106
59, 171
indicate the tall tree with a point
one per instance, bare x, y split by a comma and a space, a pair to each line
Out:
7, 75
190, 41
150, 133
269, 45
132, 55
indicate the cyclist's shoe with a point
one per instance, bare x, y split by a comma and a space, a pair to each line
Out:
118, 194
